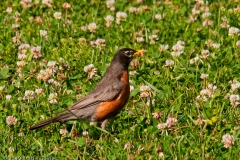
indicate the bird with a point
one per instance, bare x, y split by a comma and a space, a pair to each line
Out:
108, 97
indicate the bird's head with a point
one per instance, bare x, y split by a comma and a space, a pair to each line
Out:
126, 55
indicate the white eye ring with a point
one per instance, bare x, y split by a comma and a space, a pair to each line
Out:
128, 53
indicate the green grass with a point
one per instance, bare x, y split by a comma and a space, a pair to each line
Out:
134, 132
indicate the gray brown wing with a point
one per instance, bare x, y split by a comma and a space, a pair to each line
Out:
100, 95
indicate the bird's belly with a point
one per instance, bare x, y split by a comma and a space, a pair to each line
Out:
110, 109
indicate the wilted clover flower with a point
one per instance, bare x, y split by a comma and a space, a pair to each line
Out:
228, 140
157, 115
11, 120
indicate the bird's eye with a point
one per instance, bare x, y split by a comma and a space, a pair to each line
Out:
128, 53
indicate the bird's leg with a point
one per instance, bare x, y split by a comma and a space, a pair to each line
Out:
104, 124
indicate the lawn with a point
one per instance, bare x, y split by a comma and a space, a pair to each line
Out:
184, 101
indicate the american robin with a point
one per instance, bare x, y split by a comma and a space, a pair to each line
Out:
108, 97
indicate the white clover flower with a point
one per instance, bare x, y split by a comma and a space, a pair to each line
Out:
9, 10
149, 102
85, 133
23, 48
171, 122
153, 37
158, 17
38, 90
206, 15
36, 49
8, 97
161, 126
131, 88
163, 47
100, 43
11, 120
46, 2
234, 85
66, 5
92, 27
63, 132
144, 88
29, 94
109, 19
21, 63
178, 49
205, 54
169, 63
238, 43
215, 45
140, 39
51, 64
132, 9
88, 68
233, 31
43, 33
195, 11
53, 98
57, 15
110, 3
194, 60
22, 57
15, 26
204, 76
234, 97
120, 16
228, 140
2, 88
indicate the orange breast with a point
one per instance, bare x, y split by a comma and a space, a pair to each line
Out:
110, 109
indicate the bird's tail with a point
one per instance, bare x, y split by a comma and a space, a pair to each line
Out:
59, 118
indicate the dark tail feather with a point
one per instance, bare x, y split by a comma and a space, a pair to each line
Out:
60, 118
